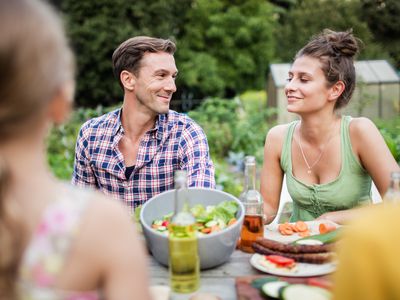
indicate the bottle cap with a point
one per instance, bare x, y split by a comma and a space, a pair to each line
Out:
180, 175
395, 175
249, 159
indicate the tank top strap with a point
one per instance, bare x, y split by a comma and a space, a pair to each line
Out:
348, 156
286, 159
49, 247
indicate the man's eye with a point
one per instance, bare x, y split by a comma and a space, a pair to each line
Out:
288, 79
304, 80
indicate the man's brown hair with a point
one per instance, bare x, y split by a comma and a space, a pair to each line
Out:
129, 54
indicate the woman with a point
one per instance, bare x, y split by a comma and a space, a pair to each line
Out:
56, 242
328, 158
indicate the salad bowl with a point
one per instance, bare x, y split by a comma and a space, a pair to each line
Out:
214, 249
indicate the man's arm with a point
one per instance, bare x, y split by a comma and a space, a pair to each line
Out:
195, 157
83, 174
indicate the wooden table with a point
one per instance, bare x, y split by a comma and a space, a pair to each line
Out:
219, 281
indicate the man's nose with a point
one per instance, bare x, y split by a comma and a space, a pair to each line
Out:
170, 85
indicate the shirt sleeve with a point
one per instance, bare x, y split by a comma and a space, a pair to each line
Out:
83, 175
195, 157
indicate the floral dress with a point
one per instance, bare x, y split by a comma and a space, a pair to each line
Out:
49, 247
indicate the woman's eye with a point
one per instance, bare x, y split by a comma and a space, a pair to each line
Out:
288, 79
304, 80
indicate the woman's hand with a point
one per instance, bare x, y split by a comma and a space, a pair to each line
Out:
341, 216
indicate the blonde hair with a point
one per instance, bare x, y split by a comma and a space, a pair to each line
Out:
35, 63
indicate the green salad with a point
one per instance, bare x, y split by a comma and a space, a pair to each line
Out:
209, 219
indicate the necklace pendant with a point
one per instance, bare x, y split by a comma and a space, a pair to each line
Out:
309, 171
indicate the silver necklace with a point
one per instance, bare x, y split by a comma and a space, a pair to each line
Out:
309, 167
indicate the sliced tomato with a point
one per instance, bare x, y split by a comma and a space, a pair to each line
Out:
320, 282
206, 230
280, 261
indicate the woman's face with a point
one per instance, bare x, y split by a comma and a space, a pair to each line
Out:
306, 88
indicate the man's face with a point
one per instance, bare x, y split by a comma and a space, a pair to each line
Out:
155, 82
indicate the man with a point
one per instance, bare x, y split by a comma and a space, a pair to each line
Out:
131, 153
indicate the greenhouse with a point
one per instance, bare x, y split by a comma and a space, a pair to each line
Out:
377, 94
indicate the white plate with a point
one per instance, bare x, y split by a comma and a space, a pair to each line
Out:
271, 231
302, 269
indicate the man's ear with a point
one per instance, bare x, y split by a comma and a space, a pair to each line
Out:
128, 80
61, 104
336, 90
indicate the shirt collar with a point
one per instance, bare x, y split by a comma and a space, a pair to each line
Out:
118, 123
159, 128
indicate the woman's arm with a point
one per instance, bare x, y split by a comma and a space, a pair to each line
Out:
121, 253
374, 155
271, 174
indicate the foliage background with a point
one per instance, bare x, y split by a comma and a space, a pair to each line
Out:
224, 49
224, 46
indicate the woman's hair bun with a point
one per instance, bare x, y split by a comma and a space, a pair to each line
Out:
342, 43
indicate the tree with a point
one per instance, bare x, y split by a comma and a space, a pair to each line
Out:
382, 17
226, 48
309, 17
223, 47
97, 27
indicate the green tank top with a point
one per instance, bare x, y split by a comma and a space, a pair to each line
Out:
351, 188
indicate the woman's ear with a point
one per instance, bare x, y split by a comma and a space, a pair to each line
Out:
61, 104
336, 90
128, 80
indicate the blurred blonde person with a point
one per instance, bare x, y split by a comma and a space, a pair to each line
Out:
329, 159
369, 264
55, 241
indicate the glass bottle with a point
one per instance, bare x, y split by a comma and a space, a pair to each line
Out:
253, 226
184, 262
393, 193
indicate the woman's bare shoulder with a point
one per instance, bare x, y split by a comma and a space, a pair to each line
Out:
361, 128
278, 132
276, 136
361, 123
274, 140
104, 208
104, 217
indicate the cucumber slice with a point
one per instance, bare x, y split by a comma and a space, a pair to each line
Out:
309, 241
162, 228
158, 222
259, 282
271, 289
325, 238
211, 223
302, 291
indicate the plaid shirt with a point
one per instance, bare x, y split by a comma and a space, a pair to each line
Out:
175, 143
